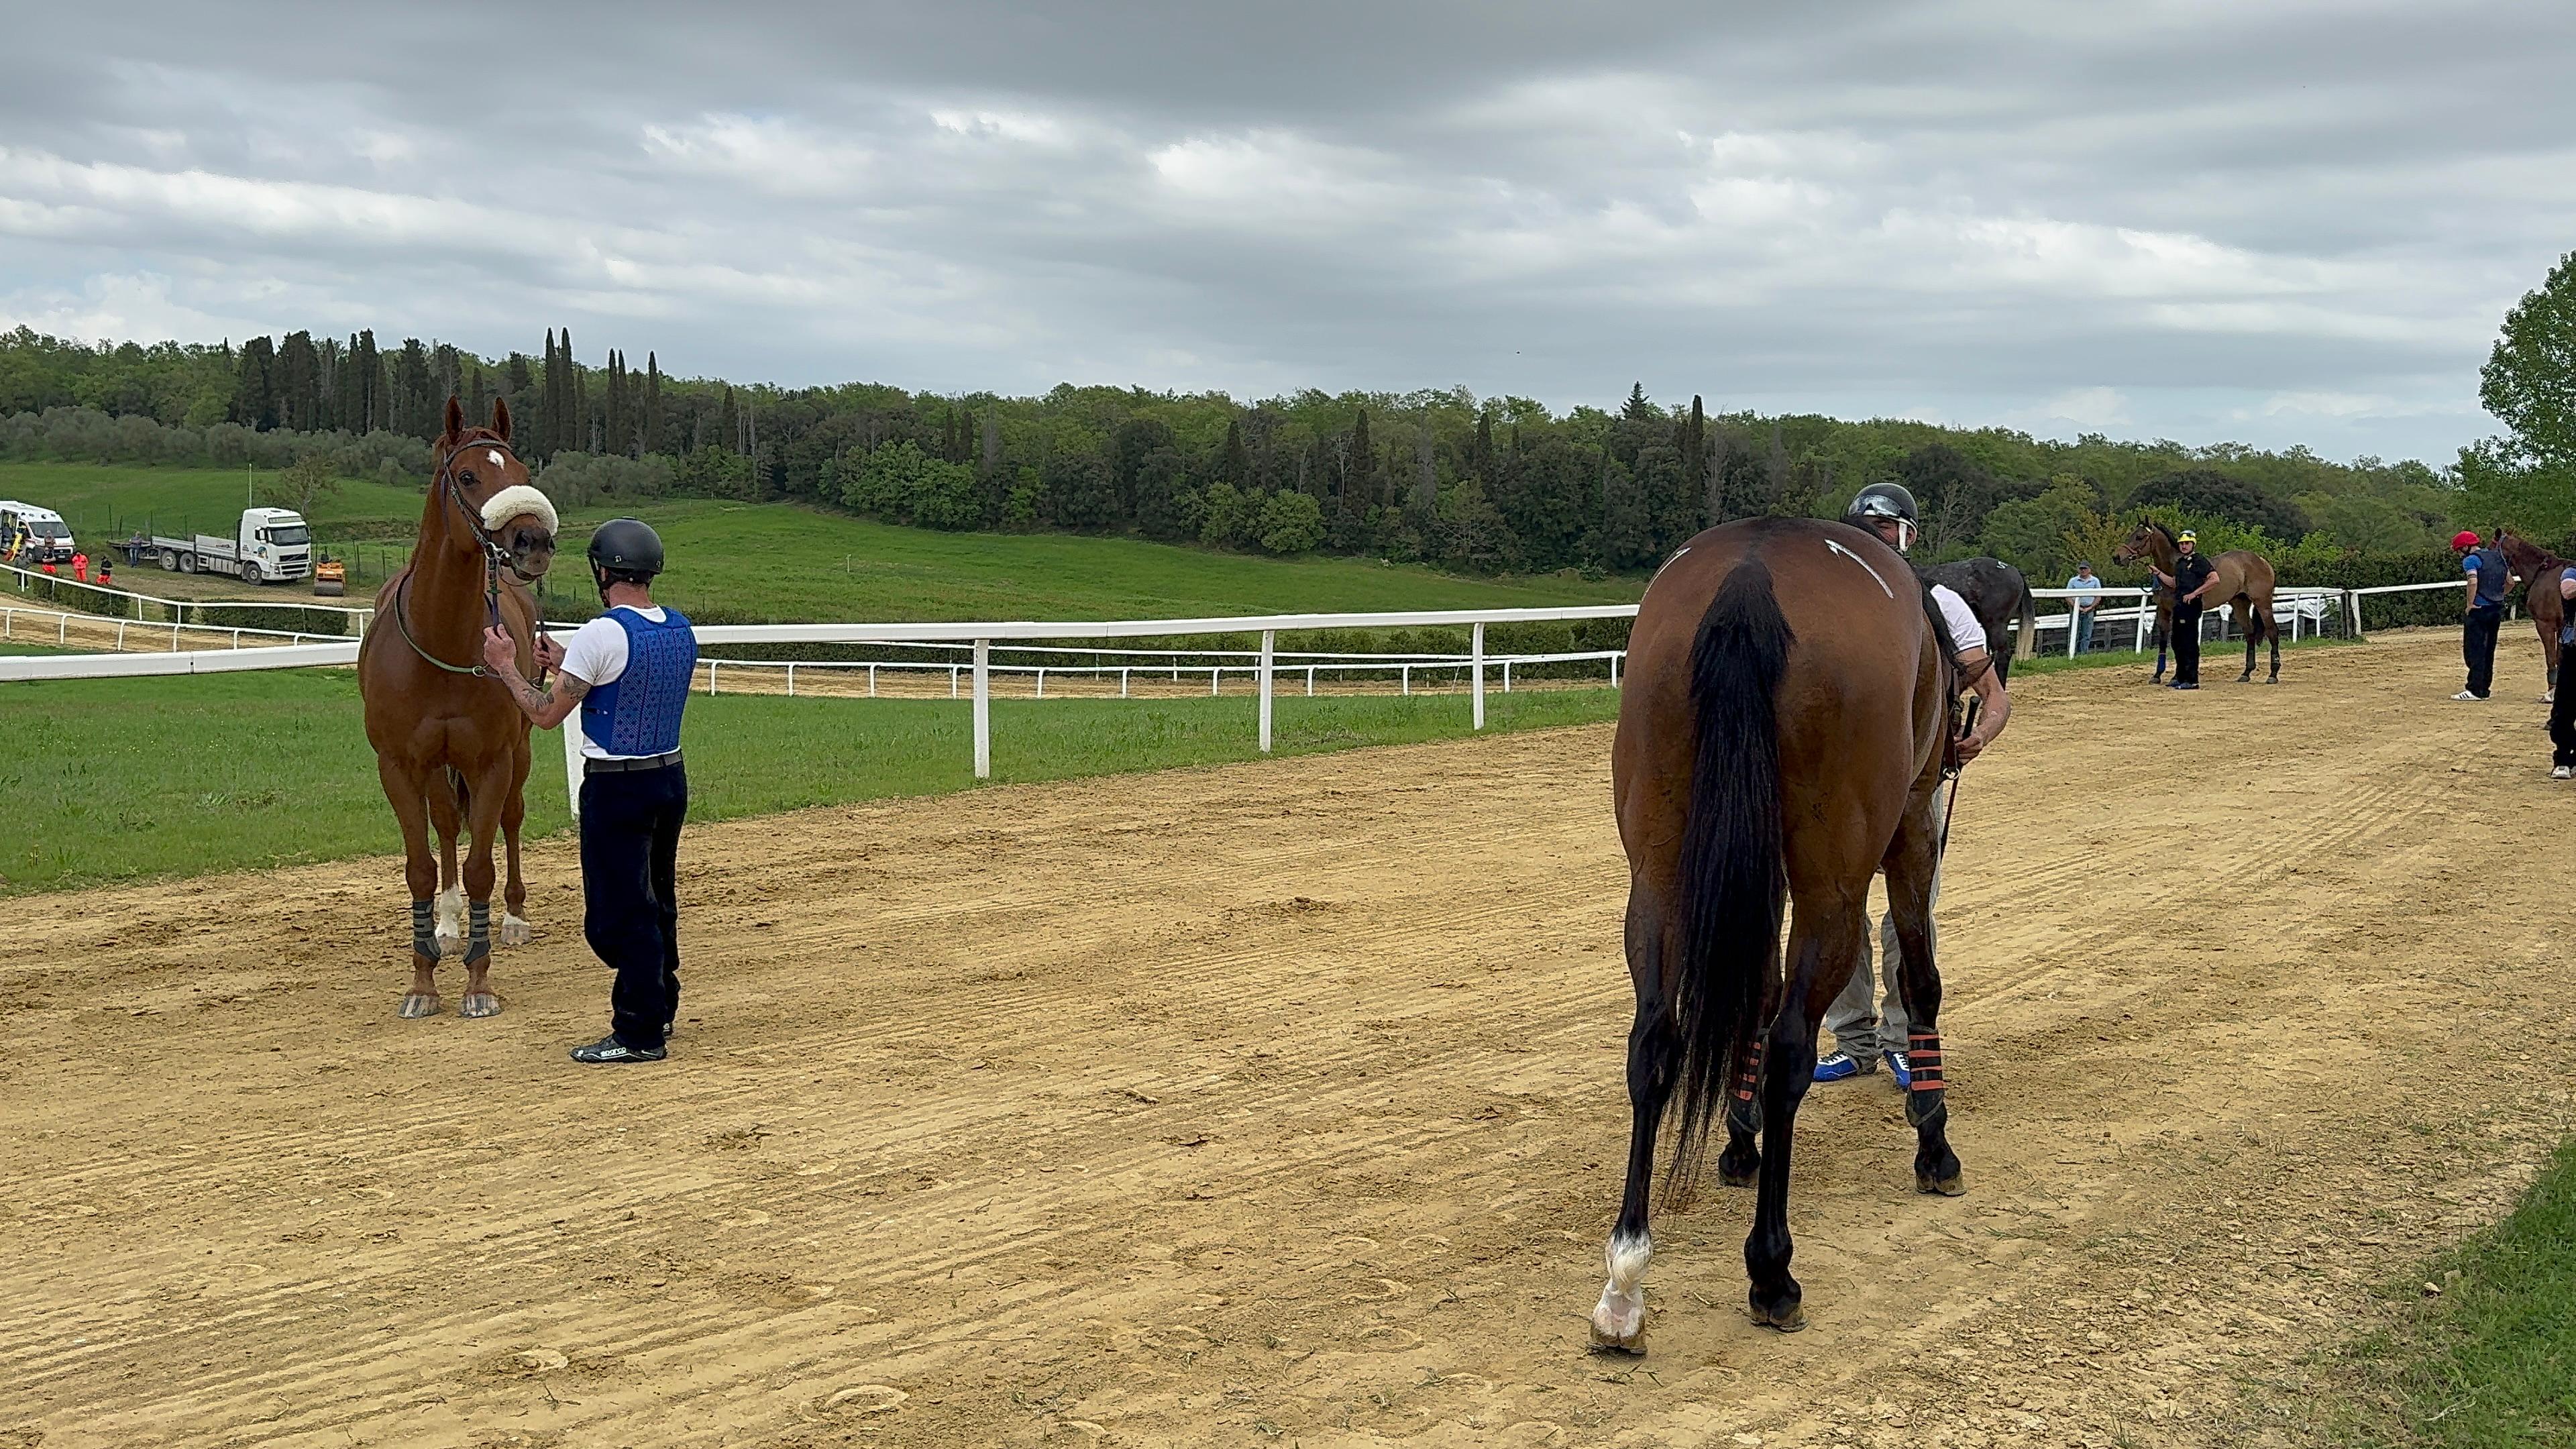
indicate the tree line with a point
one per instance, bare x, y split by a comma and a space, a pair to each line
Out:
1498, 484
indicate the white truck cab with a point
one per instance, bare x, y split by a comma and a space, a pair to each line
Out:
51, 538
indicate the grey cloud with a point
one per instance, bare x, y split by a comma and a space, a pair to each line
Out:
2278, 223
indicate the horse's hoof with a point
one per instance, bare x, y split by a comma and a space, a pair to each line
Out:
515, 932
1787, 1318
1632, 1346
1731, 1177
479, 1003
419, 1004
1952, 1186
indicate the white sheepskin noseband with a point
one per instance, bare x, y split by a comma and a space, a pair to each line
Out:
515, 500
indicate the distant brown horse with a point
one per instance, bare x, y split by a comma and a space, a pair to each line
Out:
2539, 569
451, 746
2243, 578
1780, 738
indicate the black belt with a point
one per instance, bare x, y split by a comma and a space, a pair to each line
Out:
619, 767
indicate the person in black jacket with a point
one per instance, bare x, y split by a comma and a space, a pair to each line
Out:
2192, 579
2481, 612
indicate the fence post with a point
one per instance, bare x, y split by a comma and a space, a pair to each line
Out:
2146, 606
1122, 681
2352, 601
791, 681
711, 679
1216, 679
1507, 676
1268, 638
571, 733
2071, 616
1404, 678
952, 681
1041, 694
1476, 647
1614, 671
872, 681
983, 707
1310, 681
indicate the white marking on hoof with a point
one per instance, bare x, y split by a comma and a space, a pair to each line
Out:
514, 930
451, 921
1619, 1319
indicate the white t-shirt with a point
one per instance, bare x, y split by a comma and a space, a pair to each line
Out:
596, 655
1965, 631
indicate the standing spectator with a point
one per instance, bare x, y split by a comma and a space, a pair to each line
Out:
80, 568
2088, 597
2190, 582
106, 570
2487, 574
2562, 703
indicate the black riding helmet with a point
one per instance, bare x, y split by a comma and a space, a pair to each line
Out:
625, 550
1886, 500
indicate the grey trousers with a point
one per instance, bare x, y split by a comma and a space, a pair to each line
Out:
1863, 1026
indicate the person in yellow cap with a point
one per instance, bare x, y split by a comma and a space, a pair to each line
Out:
2192, 579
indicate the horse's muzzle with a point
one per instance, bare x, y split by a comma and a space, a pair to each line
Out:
531, 554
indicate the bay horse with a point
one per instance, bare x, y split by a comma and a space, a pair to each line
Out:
2243, 579
1781, 739
451, 745
1999, 596
2539, 569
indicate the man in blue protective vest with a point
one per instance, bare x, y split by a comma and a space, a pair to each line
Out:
2482, 612
628, 673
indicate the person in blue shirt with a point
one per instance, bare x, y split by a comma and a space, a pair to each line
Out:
2487, 575
2088, 597
628, 673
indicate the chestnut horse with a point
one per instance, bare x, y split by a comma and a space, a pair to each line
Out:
2243, 578
2539, 569
451, 745
1780, 738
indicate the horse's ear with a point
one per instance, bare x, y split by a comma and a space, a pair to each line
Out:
501, 418
455, 417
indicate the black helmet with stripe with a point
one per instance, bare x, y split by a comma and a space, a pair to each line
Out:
1883, 501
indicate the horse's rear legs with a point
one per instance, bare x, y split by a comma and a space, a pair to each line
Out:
514, 891
1913, 884
1619, 1319
484, 802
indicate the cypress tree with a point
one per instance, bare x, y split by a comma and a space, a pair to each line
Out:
654, 440
255, 385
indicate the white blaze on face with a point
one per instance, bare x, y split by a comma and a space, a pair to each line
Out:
495, 455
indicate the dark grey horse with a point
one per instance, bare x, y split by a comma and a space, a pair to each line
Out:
2000, 598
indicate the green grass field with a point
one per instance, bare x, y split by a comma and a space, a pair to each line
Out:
127, 779
775, 562
2491, 1362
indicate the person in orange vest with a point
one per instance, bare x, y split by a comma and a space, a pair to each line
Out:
80, 568
49, 568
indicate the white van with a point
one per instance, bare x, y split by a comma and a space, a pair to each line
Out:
53, 537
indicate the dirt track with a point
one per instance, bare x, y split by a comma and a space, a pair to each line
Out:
1281, 1103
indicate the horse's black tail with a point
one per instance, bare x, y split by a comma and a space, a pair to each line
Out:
1733, 880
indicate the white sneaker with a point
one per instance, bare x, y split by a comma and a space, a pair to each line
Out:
2464, 695
2562, 773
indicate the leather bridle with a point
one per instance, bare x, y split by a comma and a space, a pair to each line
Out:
495, 559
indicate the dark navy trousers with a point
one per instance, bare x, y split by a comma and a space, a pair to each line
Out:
630, 852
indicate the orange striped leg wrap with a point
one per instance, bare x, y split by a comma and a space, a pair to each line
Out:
1923, 1059
1742, 1114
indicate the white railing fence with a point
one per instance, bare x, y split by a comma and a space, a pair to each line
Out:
102, 599
2304, 610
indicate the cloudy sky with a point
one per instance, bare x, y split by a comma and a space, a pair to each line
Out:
2276, 222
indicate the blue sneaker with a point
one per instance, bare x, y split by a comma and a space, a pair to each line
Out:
1904, 1074
1839, 1067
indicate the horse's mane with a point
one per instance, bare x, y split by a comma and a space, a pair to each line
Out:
2167, 532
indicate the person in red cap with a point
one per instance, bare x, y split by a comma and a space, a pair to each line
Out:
2487, 575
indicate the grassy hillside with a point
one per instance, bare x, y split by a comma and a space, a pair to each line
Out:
121, 779
782, 562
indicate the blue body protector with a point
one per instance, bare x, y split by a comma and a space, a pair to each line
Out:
638, 712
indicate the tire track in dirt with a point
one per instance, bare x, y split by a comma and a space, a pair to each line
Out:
1282, 1101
